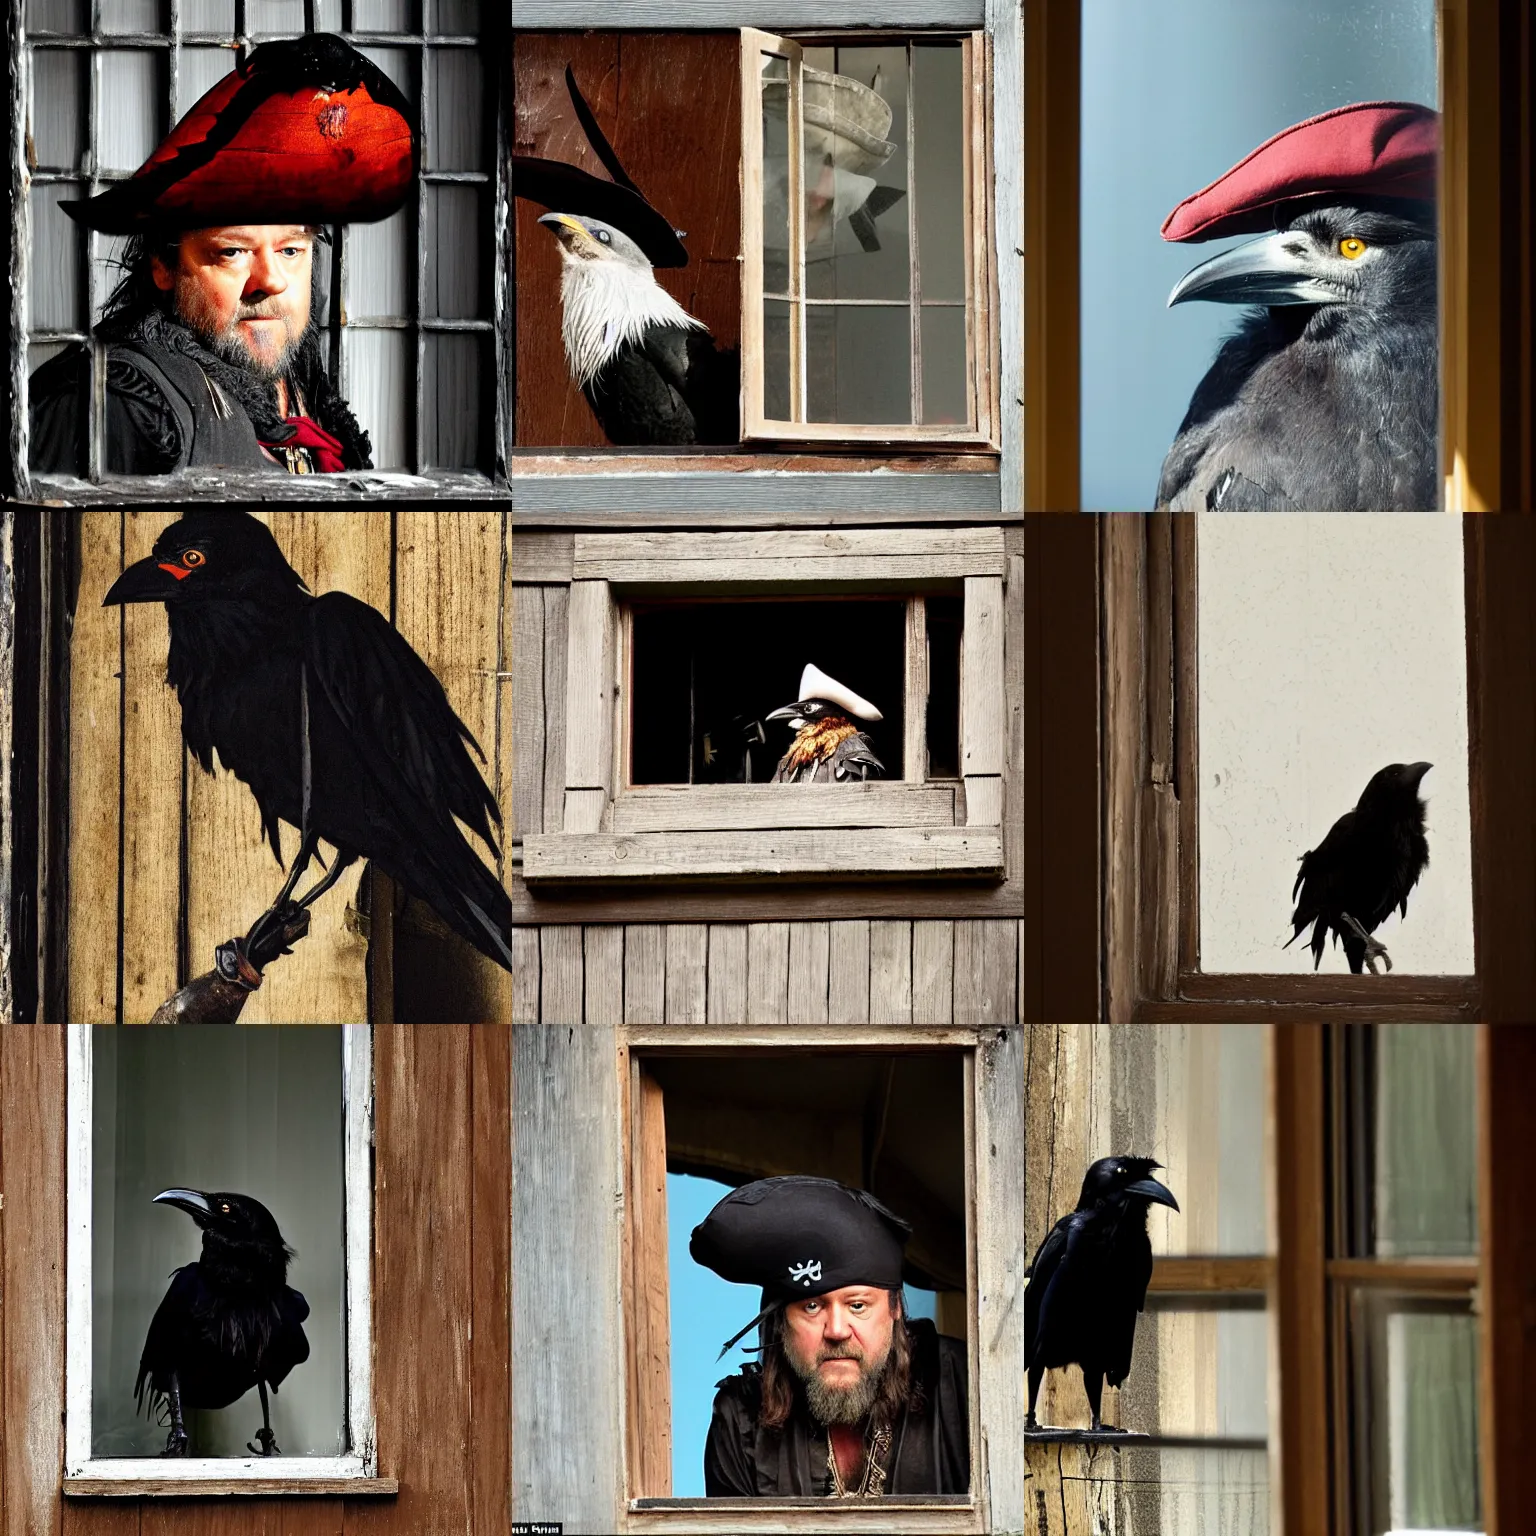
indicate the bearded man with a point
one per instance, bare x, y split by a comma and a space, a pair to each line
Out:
213, 355
850, 1397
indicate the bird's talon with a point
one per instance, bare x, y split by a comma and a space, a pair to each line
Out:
177, 1443
268, 1444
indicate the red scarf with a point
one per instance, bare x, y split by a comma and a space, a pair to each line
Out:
308, 433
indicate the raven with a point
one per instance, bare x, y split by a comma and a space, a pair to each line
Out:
828, 747
1370, 860
229, 1322
1089, 1280
1326, 398
322, 708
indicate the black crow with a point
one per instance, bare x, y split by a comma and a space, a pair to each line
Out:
229, 1322
648, 368
323, 709
1327, 396
1089, 1280
1370, 860
828, 747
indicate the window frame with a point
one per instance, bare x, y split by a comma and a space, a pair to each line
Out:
994, 1272
614, 833
100, 488
355, 1471
981, 340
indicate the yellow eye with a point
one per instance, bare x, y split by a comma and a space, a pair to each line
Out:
192, 557
225, 1209
1352, 247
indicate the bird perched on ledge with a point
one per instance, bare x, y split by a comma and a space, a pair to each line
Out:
828, 747
1370, 860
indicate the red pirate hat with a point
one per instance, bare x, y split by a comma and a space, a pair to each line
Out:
306, 131
1367, 149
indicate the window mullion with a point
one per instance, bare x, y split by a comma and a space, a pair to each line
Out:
914, 259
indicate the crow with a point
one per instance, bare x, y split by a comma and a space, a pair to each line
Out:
1370, 860
229, 1322
828, 747
1089, 1280
322, 708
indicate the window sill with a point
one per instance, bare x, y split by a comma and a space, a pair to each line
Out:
891, 1513
198, 486
229, 1487
877, 853
783, 807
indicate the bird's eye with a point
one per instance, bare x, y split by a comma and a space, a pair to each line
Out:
602, 235
192, 558
1352, 246
225, 1209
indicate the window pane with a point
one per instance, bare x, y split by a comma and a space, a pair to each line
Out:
1251, 71
58, 16
384, 15
451, 383
776, 359
1414, 1375
53, 288
453, 288
855, 112
455, 138
775, 89
208, 16
380, 373
938, 168
1173, 1489
1330, 647
946, 385
1198, 1369
58, 107
257, 1112
133, 16
380, 267
858, 364
132, 90
456, 17
198, 70
279, 18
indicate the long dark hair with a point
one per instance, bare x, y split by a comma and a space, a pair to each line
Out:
779, 1382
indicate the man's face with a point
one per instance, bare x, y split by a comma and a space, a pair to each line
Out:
245, 288
838, 1345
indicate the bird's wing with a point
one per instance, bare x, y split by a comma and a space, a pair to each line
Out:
1120, 1322
638, 394
386, 697
854, 759
288, 1346
162, 1344
1042, 1271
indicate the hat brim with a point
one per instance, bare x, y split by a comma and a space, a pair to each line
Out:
561, 188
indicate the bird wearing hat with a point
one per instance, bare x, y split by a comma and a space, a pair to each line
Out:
648, 369
213, 358
1326, 398
828, 747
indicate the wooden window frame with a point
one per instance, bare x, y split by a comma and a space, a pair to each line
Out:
613, 833
994, 1278
1152, 907
356, 1471
195, 487
981, 341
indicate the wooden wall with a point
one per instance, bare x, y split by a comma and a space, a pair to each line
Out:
167, 861
442, 1308
670, 105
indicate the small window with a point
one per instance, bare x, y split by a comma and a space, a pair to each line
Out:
162, 1118
859, 292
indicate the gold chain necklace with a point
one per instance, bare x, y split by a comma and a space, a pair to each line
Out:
872, 1485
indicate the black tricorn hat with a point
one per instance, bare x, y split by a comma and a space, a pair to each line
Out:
798, 1236
305, 131
563, 188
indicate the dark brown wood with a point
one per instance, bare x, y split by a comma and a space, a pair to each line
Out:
1298, 1295
1517, 170
670, 105
1507, 1203
1060, 686
490, 1358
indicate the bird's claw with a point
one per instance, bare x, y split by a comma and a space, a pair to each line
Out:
1374, 948
268, 1444
275, 932
177, 1443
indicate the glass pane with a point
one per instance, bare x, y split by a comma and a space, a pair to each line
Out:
208, 16
133, 16
453, 287
1330, 647
58, 16
775, 87
855, 170
132, 91
453, 18
53, 292
1414, 1375
455, 138
198, 70
451, 385
379, 267
1196, 1370
938, 167
279, 18
1261, 67
1201, 1492
379, 383
946, 384
255, 1112
776, 359
58, 107
383, 15
858, 363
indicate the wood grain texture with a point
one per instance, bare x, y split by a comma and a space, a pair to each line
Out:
768, 973
529, 707
557, 605
749, 807
727, 1001
645, 973
933, 971
848, 972
589, 688
490, 1323
985, 970
809, 958
890, 971
561, 976
646, 1294
786, 14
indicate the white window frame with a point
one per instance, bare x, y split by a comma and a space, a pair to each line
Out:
980, 338
895, 829
300, 1472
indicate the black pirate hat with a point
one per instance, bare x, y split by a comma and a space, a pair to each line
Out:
306, 131
797, 1236
564, 188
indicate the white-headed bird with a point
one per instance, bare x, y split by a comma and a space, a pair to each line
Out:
828, 747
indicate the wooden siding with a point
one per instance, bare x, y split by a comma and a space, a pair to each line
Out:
167, 861
442, 1371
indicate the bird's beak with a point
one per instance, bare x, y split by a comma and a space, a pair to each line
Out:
1150, 1189
188, 1200
1274, 269
788, 712
564, 228
1418, 770
147, 581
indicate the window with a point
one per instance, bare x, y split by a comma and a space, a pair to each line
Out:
279, 1115
862, 262
647, 672
411, 310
